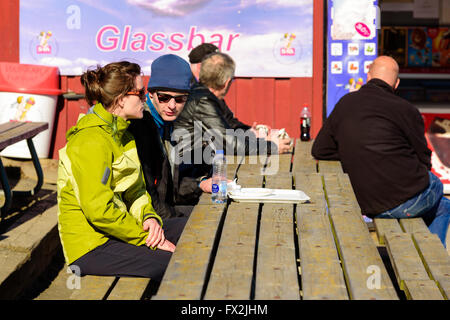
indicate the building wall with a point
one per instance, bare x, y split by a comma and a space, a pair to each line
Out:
276, 102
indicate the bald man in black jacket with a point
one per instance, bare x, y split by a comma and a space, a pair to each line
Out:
379, 139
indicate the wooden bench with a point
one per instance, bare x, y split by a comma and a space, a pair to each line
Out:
420, 261
13, 132
69, 286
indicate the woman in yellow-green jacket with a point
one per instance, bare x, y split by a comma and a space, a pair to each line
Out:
106, 221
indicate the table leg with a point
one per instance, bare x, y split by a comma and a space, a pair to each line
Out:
6, 190
37, 167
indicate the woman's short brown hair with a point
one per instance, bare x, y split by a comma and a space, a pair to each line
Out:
106, 84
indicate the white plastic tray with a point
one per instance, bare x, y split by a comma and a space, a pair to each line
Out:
266, 195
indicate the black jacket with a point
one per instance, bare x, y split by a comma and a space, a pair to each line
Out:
206, 124
166, 191
379, 139
230, 118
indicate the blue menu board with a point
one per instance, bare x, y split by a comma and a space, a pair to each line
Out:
351, 46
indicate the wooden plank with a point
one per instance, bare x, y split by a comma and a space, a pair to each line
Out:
283, 180
61, 287
187, 269
233, 163
205, 199
435, 259
329, 166
232, 273
18, 133
278, 164
386, 226
322, 275
405, 259
93, 288
339, 191
422, 290
10, 125
444, 286
253, 164
250, 173
414, 225
129, 289
311, 184
302, 150
277, 274
364, 270
303, 161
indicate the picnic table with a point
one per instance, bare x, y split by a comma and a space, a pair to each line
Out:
11, 133
322, 249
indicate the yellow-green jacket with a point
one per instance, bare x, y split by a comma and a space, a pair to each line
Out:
101, 190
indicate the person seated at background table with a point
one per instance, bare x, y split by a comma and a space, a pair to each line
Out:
379, 139
195, 58
168, 89
202, 116
106, 220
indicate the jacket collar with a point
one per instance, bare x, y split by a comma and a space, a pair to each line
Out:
112, 123
160, 123
381, 84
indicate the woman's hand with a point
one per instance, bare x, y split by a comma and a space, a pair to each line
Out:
167, 246
155, 233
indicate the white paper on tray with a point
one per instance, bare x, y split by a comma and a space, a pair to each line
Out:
268, 195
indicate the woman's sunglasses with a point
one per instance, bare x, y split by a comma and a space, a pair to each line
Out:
165, 98
140, 94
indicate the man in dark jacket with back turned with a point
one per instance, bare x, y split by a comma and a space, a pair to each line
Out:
168, 90
379, 139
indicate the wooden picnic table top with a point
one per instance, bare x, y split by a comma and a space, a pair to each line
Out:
317, 250
14, 131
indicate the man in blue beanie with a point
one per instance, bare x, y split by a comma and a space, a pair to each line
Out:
168, 90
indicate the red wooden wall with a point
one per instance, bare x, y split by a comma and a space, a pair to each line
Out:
276, 102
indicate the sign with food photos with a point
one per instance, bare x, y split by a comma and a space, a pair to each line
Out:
351, 46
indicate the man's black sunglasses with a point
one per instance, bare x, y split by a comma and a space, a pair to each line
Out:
165, 98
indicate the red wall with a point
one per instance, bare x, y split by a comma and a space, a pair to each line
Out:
9, 24
276, 102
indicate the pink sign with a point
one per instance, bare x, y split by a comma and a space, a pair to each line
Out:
362, 29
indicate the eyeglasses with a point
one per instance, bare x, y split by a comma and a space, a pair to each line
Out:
140, 94
165, 98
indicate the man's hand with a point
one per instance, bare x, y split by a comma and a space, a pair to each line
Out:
284, 145
206, 185
155, 233
260, 130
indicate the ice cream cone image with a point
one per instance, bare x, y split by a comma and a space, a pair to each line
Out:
29, 103
359, 83
291, 38
43, 38
20, 107
287, 50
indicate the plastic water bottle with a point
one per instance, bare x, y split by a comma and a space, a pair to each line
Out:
305, 123
219, 178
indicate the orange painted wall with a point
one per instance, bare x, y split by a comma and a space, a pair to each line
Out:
276, 102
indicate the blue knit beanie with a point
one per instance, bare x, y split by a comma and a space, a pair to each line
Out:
171, 73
